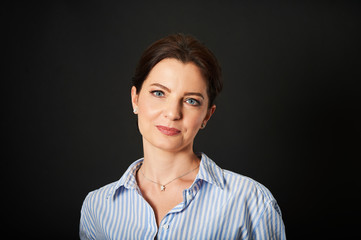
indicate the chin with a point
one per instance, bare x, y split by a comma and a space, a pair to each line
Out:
169, 145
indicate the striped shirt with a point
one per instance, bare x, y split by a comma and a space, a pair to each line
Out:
219, 204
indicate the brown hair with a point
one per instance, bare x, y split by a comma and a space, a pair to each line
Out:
184, 48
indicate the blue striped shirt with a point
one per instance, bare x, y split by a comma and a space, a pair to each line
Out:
219, 204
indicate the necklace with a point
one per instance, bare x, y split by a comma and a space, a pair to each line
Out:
162, 186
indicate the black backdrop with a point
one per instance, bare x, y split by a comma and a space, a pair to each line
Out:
289, 115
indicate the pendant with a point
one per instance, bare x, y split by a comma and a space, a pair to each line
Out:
162, 187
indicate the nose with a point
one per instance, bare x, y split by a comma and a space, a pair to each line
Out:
173, 110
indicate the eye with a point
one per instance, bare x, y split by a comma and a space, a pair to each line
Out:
157, 93
193, 101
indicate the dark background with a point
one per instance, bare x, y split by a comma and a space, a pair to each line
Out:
289, 115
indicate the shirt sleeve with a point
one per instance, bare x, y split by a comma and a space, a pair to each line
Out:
270, 225
87, 226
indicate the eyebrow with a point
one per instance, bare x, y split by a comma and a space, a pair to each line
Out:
168, 90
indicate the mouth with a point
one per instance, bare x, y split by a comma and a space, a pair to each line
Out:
168, 131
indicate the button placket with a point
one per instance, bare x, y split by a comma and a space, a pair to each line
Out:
165, 223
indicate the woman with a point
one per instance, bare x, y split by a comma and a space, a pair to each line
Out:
173, 193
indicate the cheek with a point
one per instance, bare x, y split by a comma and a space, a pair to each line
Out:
147, 110
194, 122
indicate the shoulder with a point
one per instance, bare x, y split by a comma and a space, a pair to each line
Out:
246, 189
237, 181
264, 215
98, 196
233, 183
126, 181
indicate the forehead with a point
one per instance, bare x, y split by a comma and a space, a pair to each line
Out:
174, 73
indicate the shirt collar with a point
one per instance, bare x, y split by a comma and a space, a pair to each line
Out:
208, 171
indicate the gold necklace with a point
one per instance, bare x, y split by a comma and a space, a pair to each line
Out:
162, 186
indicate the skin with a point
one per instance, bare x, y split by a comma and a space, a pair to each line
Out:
174, 95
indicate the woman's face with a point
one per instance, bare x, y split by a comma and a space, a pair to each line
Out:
172, 105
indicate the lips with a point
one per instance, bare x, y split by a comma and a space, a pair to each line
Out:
168, 131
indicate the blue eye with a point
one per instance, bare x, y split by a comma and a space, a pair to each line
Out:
157, 93
192, 101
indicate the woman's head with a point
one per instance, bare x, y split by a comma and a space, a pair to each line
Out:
174, 87
186, 49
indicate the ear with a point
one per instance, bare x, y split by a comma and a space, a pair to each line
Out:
210, 112
134, 97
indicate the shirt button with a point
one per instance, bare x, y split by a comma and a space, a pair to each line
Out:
189, 196
166, 226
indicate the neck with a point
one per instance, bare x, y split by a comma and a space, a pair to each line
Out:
162, 166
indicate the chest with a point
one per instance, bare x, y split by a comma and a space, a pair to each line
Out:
200, 216
162, 202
